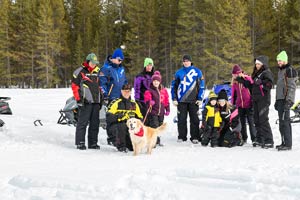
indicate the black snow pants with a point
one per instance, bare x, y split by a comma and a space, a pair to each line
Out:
247, 113
261, 119
88, 114
182, 111
284, 123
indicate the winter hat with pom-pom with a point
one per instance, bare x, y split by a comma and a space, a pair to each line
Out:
156, 76
118, 54
236, 69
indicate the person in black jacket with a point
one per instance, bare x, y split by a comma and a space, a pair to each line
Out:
261, 95
119, 111
285, 98
86, 90
230, 133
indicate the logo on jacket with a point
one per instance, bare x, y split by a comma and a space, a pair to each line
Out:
187, 82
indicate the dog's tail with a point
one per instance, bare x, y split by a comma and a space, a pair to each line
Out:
162, 128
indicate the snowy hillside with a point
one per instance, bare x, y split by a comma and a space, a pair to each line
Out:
41, 163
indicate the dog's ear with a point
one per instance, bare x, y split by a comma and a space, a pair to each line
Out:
127, 123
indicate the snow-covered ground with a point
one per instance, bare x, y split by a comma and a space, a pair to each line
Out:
41, 163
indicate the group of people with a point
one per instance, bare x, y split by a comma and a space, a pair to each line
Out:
223, 121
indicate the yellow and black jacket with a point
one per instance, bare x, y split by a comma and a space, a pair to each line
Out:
121, 109
211, 116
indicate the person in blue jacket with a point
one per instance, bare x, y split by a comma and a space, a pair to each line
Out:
112, 78
187, 92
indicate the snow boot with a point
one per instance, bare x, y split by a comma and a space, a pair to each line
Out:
81, 146
284, 148
94, 146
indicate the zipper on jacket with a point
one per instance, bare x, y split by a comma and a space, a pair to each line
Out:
159, 105
241, 95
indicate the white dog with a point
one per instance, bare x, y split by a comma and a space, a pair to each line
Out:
143, 136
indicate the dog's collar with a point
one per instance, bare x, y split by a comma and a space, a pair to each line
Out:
140, 133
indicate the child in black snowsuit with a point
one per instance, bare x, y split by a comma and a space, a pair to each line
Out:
230, 134
211, 122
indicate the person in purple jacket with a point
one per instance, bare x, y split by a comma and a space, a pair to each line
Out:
142, 83
241, 98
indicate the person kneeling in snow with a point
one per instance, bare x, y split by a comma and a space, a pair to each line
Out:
119, 111
211, 121
230, 134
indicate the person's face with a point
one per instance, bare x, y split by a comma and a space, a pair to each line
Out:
187, 63
222, 102
258, 66
92, 65
126, 93
149, 68
116, 61
213, 102
281, 63
156, 83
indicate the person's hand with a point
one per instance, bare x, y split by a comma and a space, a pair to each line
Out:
287, 105
175, 103
105, 100
152, 102
123, 117
258, 81
167, 113
199, 103
79, 104
276, 105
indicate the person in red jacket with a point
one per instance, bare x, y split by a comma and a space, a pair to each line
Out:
157, 101
86, 90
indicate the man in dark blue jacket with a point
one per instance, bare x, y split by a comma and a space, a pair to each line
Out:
187, 93
112, 78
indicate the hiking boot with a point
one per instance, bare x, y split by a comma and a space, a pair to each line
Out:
278, 146
194, 141
81, 147
267, 146
94, 146
256, 144
240, 143
180, 140
123, 149
284, 148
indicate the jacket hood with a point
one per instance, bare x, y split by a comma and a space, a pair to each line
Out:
264, 60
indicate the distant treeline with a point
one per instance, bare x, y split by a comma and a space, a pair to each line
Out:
43, 41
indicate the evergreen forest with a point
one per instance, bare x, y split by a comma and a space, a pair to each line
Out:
43, 41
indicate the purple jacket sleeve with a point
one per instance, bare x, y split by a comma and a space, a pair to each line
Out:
137, 87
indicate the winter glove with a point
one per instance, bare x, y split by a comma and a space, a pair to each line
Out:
240, 79
199, 103
105, 100
167, 113
79, 104
175, 103
152, 103
287, 105
276, 105
258, 81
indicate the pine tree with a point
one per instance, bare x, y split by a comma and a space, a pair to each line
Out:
47, 45
5, 67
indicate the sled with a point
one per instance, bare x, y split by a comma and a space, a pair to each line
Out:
69, 114
216, 88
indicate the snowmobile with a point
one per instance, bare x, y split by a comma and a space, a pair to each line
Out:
216, 88
296, 117
4, 108
69, 114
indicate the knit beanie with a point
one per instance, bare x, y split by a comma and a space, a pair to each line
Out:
148, 61
156, 76
282, 56
222, 95
118, 54
187, 57
236, 69
212, 96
